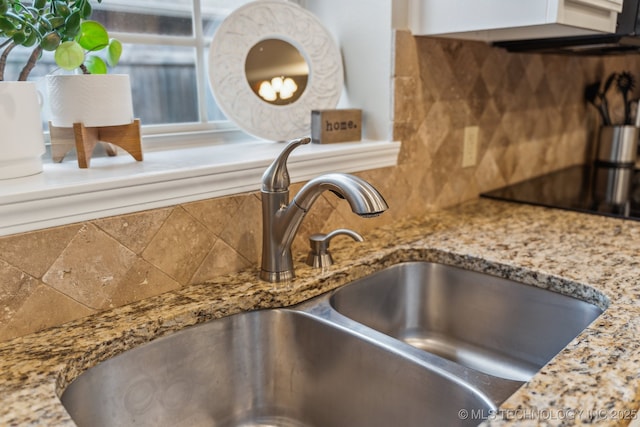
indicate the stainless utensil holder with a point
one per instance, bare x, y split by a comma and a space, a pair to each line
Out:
617, 146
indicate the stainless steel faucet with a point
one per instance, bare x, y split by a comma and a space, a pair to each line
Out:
281, 219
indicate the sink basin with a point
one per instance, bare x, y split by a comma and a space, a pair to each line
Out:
269, 368
496, 326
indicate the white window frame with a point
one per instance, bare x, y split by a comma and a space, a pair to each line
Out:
200, 43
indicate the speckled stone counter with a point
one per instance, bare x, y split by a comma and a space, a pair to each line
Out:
595, 380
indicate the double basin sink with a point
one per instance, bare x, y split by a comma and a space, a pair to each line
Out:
416, 344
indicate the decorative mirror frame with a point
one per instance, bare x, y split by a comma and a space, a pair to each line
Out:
273, 19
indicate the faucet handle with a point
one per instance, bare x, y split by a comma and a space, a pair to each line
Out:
276, 177
319, 255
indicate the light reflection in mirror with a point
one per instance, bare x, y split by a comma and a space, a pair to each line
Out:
276, 71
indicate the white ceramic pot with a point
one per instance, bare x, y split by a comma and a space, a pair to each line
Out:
21, 140
91, 99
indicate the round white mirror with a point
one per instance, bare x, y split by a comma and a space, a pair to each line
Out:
276, 71
271, 63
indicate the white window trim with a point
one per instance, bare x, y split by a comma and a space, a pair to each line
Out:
64, 194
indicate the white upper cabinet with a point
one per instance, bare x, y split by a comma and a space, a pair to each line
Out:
501, 20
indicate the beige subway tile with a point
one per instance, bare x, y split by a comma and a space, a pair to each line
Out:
15, 288
143, 280
91, 268
222, 259
34, 252
179, 246
493, 71
244, 232
135, 231
534, 70
405, 54
487, 174
42, 308
409, 103
215, 214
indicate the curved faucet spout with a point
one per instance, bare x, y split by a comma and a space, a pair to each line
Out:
364, 200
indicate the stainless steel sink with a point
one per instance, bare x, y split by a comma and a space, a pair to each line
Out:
496, 326
412, 345
272, 368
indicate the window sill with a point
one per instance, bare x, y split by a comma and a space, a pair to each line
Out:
65, 194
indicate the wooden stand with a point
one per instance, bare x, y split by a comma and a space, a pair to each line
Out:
85, 139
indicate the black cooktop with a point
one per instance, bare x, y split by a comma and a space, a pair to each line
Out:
594, 189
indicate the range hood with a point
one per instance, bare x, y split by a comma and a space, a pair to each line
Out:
626, 39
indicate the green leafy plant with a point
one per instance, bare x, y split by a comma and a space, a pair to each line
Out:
80, 52
62, 26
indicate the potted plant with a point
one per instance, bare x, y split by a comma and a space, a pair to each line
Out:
40, 25
89, 96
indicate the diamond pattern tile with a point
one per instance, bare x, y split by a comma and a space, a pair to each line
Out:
529, 108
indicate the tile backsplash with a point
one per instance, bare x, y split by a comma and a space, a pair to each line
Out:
531, 118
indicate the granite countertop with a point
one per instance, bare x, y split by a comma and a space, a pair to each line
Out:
594, 380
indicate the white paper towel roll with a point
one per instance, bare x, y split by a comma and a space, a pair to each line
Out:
91, 99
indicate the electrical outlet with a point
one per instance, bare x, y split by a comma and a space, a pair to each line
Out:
470, 147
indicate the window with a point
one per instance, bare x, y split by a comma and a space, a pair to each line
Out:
165, 54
